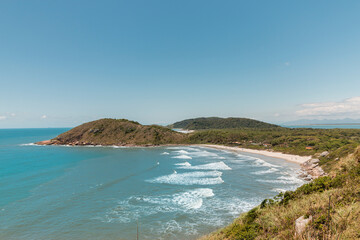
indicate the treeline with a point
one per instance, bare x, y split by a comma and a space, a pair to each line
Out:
221, 123
302, 141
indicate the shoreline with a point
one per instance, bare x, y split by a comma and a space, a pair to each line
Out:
309, 166
288, 157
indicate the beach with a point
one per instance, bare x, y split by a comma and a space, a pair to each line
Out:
288, 157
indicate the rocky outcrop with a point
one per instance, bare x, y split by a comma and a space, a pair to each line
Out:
48, 142
324, 154
300, 225
312, 169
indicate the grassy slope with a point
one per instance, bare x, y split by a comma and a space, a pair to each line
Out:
118, 132
220, 123
275, 218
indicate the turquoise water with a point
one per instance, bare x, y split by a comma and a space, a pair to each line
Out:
59, 192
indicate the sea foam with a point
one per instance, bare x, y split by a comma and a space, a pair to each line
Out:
186, 164
271, 170
182, 152
190, 178
192, 199
210, 166
183, 157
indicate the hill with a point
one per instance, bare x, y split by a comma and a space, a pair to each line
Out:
221, 123
116, 132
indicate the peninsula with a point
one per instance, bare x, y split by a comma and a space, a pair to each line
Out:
119, 132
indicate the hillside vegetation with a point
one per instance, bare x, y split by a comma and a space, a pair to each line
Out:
331, 202
118, 132
301, 141
221, 123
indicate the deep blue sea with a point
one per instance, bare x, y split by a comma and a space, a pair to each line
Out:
60, 192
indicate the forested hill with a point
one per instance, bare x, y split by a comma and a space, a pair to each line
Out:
221, 123
117, 132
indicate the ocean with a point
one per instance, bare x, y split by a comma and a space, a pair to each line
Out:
182, 192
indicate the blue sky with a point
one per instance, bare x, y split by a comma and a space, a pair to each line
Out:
67, 62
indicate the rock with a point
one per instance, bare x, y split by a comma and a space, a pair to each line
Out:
303, 175
300, 225
315, 160
324, 154
312, 168
308, 178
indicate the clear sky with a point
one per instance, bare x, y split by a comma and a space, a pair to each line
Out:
67, 62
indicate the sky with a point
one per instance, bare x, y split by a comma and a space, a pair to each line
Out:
63, 63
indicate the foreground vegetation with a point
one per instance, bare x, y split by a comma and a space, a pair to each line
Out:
333, 203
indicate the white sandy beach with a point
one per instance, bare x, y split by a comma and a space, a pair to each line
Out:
288, 157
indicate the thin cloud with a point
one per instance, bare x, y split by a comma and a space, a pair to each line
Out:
43, 116
3, 117
347, 108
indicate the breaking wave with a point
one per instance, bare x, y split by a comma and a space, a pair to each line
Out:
190, 178
183, 157
271, 170
210, 166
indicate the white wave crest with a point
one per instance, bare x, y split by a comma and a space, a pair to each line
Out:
284, 180
191, 178
165, 153
28, 144
278, 190
210, 166
192, 199
260, 162
271, 170
182, 152
183, 157
201, 153
186, 164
